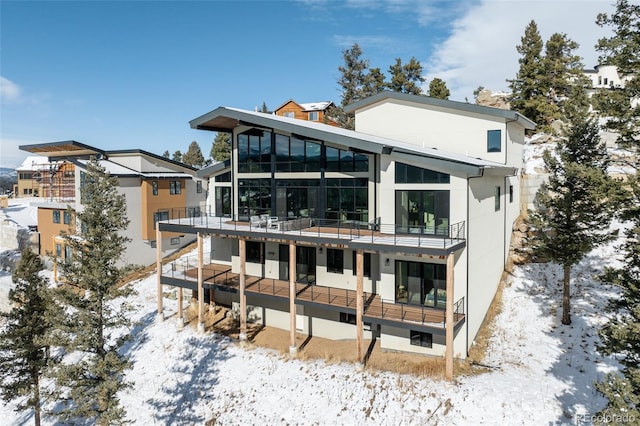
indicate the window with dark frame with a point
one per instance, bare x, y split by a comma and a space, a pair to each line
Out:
406, 173
497, 199
174, 241
420, 338
199, 187
66, 217
511, 193
58, 250
175, 187
367, 263
494, 140
254, 252
335, 261
158, 216
56, 216
154, 187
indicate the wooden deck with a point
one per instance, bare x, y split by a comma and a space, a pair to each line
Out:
374, 306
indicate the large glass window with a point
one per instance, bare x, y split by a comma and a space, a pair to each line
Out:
335, 261
254, 197
297, 155
411, 174
347, 200
367, 263
224, 177
421, 284
254, 152
422, 212
297, 198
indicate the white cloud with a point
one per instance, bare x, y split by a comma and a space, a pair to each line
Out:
10, 155
481, 50
9, 91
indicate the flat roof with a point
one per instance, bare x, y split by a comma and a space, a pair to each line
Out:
442, 103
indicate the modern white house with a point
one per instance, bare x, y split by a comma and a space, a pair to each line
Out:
397, 231
151, 184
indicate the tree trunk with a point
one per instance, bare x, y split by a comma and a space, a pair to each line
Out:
566, 296
36, 400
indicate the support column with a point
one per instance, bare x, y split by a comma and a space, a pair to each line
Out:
160, 314
293, 348
359, 303
180, 319
200, 284
243, 299
449, 320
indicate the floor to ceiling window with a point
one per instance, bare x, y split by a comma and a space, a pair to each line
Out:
423, 212
421, 284
297, 198
347, 200
254, 197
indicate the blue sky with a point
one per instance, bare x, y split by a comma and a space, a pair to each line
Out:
131, 74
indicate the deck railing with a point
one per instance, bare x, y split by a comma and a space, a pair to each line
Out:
343, 229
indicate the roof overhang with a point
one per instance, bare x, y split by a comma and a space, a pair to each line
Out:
62, 149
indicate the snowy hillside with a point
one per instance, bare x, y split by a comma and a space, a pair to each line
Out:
542, 372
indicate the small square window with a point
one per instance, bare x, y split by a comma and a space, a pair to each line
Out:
494, 140
56, 216
199, 187
153, 243
347, 318
497, 199
154, 187
174, 241
419, 338
313, 116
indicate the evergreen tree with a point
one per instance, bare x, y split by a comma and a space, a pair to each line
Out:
527, 91
95, 325
353, 84
406, 78
264, 107
576, 205
221, 147
621, 50
374, 82
562, 71
621, 335
24, 341
438, 89
193, 156
177, 156
166, 154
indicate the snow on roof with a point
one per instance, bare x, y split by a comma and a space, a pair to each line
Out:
31, 162
315, 106
115, 169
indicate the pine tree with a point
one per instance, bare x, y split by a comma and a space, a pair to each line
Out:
621, 50
193, 156
621, 335
221, 147
24, 341
527, 90
353, 83
166, 154
576, 205
562, 71
177, 156
374, 82
264, 107
438, 89
406, 78
96, 325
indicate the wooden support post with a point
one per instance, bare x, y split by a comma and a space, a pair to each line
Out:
200, 284
180, 319
243, 300
449, 320
359, 303
160, 314
293, 348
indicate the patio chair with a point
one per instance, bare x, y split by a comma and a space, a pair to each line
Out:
254, 221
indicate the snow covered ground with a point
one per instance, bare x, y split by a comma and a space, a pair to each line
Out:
543, 372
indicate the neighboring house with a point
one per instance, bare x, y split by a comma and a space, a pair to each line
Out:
605, 77
312, 111
153, 186
40, 177
397, 231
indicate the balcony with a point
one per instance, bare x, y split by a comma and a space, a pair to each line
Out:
365, 235
183, 272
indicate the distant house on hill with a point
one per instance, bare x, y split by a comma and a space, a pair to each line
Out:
605, 77
311, 111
